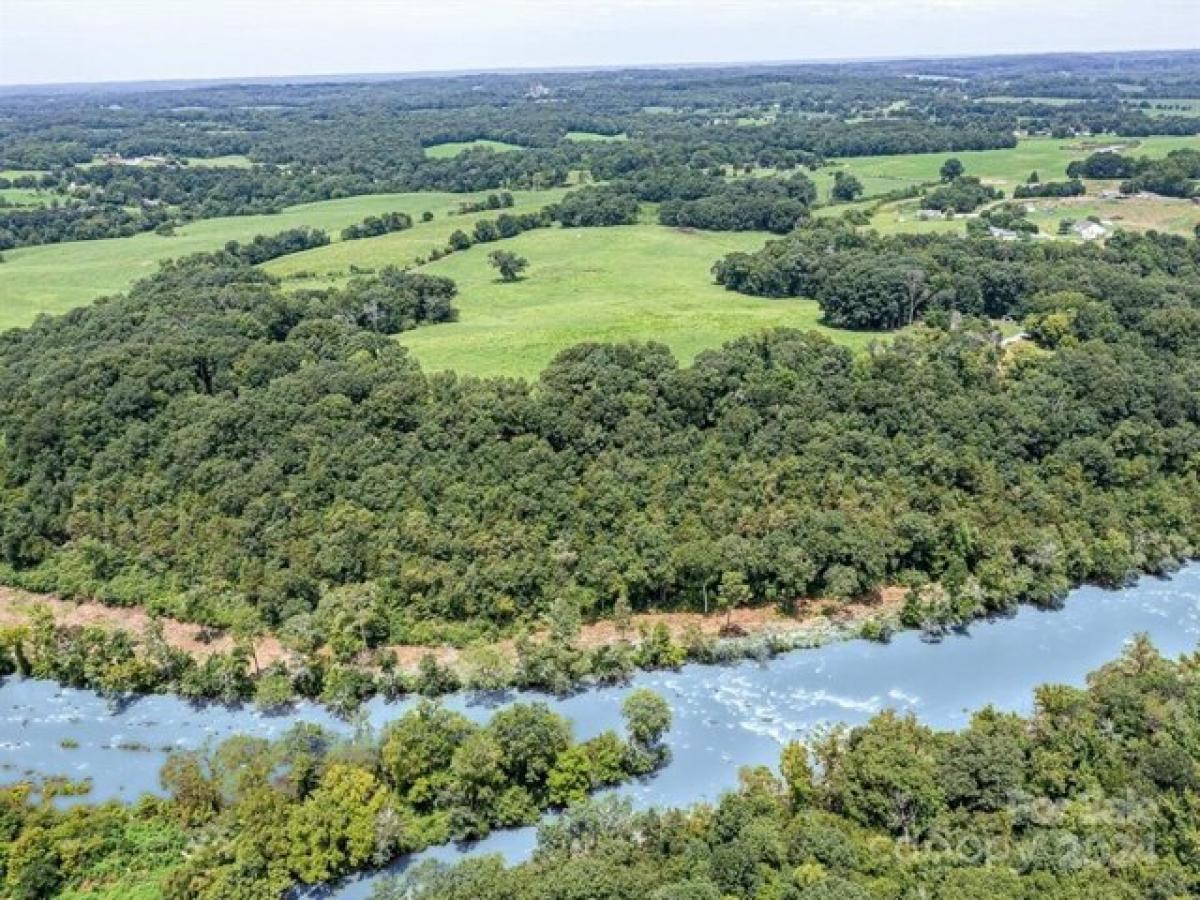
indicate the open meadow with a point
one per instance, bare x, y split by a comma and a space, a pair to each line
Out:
1004, 168
331, 264
595, 137
53, 278
632, 282
452, 149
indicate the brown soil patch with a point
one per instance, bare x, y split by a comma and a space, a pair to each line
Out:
15, 607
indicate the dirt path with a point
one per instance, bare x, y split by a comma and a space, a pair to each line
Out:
16, 605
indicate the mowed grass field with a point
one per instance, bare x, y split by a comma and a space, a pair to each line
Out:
595, 136
331, 264
26, 196
57, 277
1005, 168
453, 148
232, 161
1167, 214
637, 282
23, 196
1178, 106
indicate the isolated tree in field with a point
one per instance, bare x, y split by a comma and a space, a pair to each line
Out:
846, 187
951, 169
508, 264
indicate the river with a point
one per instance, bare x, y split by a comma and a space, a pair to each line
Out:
725, 716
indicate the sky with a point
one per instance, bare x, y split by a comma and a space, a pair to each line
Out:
45, 41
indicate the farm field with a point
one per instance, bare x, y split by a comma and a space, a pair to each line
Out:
1174, 106
25, 196
331, 263
1005, 168
56, 277
232, 161
595, 136
635, 282
1168, 214
453, 148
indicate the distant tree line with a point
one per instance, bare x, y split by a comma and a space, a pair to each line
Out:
25, 226
747, 204
374, 226
1005, 216
962, 194
599, 206
1175, 175
264, 247
864, 280
1072, 188
502, 200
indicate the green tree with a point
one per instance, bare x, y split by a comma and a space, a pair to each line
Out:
647, 720
885, 775
333, 831
846, 187
951, 169
508, 264
530, 736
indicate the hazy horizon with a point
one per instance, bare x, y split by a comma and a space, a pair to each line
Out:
48, 42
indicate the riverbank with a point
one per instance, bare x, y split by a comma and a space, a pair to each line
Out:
679, 636
725, 716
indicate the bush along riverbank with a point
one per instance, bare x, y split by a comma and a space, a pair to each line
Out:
1095, 794
242, 668
564, 656
253, 818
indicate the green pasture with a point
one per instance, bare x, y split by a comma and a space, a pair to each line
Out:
331, 263
19, 173
636, 282
1172, 106
231, 161
594, 136
57, 277
1005, 168
454, 148
1167, 214
26, 196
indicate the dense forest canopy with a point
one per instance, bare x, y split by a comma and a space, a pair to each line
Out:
208, 444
